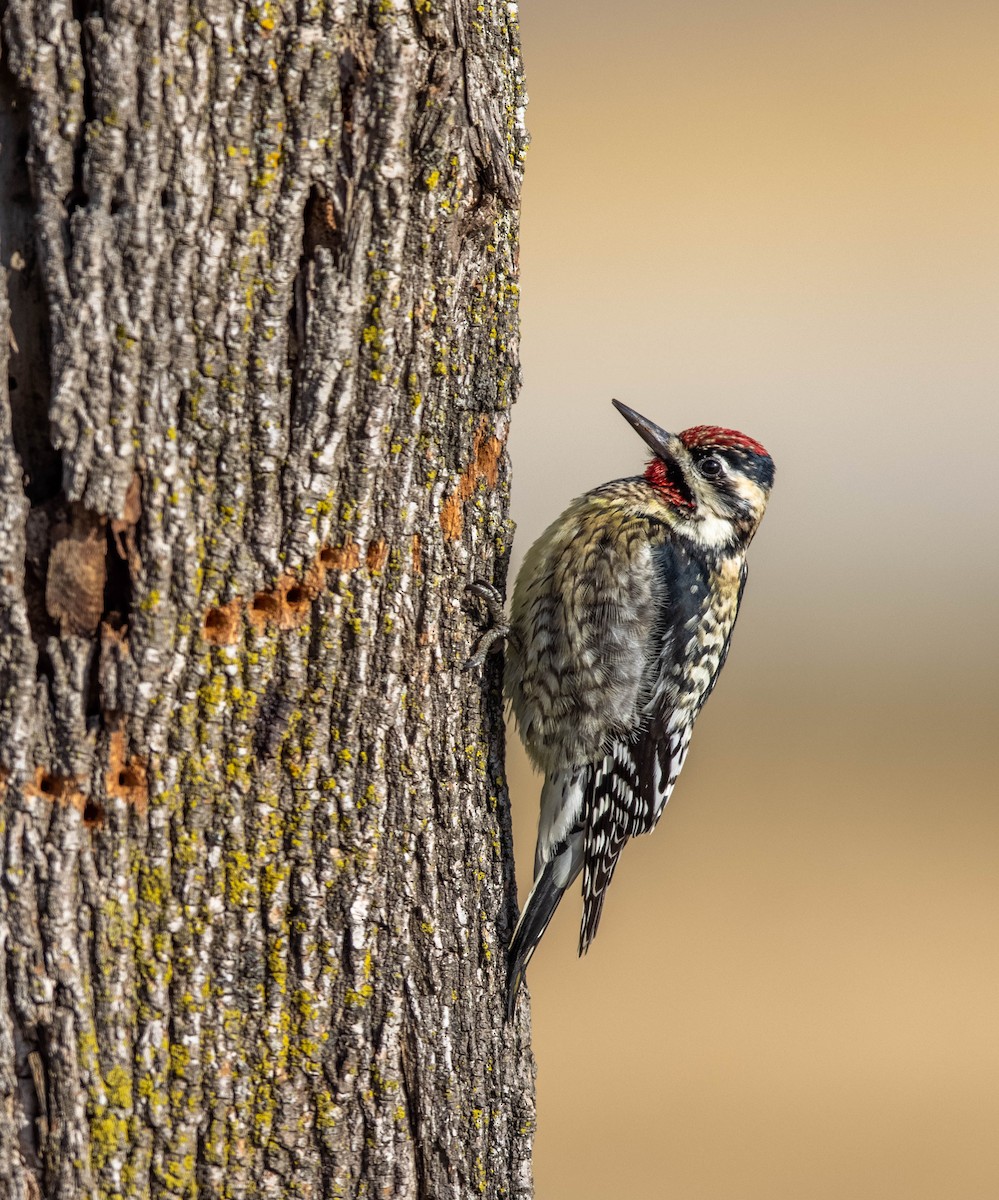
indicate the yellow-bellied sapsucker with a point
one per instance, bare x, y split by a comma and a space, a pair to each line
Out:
621, 620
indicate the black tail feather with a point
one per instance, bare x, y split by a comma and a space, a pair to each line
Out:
548, 890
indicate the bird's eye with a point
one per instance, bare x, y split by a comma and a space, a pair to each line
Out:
710, 467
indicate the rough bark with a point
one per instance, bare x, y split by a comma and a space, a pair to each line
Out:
260, 287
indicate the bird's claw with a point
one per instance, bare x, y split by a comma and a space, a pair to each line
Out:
498, 625
492, 597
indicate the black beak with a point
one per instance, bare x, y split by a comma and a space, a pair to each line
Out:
658, 440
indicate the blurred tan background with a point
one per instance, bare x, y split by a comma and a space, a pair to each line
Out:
784, 218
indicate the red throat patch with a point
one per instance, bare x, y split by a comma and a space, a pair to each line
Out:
700, 437
657, 473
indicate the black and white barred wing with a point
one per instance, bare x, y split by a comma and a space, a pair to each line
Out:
629, 790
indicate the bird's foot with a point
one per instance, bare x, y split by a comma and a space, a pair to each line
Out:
499, 627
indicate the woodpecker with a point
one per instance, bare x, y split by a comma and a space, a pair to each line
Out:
621, 620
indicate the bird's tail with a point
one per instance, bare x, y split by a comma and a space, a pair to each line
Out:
549, 888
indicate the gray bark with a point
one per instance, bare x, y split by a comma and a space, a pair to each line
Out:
258, 347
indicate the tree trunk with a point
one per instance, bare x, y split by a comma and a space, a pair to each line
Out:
261, 266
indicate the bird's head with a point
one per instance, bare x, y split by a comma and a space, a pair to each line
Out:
714, 482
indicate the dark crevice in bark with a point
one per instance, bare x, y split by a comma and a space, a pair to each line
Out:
93, 814
411, 1093
35, 569
29, 1097
320, 230
296, 339
93, 709
352, 74
78, 197
28, 379
320, 226
118, 585
276, 711
46, 671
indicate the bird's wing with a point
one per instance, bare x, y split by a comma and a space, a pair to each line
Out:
630, 786
583, 605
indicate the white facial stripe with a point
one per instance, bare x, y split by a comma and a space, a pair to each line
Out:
713, 526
